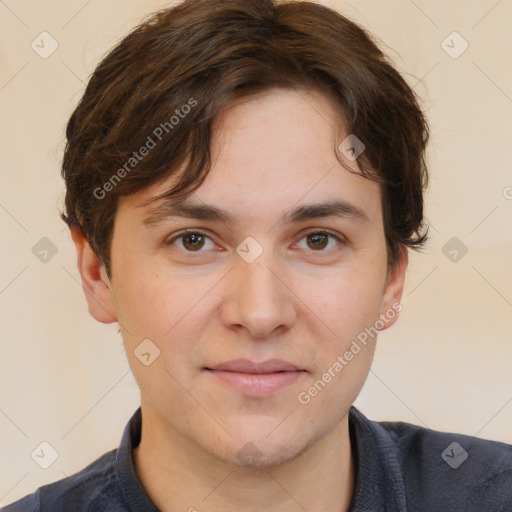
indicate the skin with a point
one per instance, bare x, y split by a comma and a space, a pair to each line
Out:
300, 302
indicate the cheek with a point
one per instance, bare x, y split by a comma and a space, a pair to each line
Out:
347, 302
162, 308
147, 302
347, 312
155, 302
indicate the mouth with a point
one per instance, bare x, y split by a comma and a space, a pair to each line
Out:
256, 379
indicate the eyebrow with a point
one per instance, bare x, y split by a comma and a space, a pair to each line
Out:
186, 208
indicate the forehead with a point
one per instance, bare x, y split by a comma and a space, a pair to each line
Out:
275, 149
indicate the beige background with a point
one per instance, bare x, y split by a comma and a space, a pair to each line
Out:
447, 364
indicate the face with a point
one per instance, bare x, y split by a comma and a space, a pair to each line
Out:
265, 280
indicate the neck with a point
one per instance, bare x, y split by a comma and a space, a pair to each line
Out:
178, 474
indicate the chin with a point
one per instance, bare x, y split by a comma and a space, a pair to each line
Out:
252, 449
268, 457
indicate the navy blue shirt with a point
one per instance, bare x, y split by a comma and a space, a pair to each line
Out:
399, 468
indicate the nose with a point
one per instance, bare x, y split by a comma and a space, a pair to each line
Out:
257, 299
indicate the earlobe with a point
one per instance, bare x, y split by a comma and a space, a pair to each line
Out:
95, 282
391, 305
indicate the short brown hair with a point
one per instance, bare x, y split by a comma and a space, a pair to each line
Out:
163, 86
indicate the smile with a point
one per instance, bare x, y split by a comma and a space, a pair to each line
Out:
257, 384
256, 379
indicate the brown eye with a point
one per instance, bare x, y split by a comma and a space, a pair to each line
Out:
191, 241
318, 241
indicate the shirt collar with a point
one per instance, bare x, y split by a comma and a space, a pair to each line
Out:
128, 481
378, 481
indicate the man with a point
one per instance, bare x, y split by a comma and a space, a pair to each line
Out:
243, 182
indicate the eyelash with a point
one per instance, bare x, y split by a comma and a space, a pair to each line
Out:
340, 239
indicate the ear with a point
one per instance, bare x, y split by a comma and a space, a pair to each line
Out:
391, 305
95, 282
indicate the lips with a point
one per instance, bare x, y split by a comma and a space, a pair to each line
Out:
256, 379
247, 366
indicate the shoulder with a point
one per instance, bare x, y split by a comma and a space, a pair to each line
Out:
450, 471
88, 489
